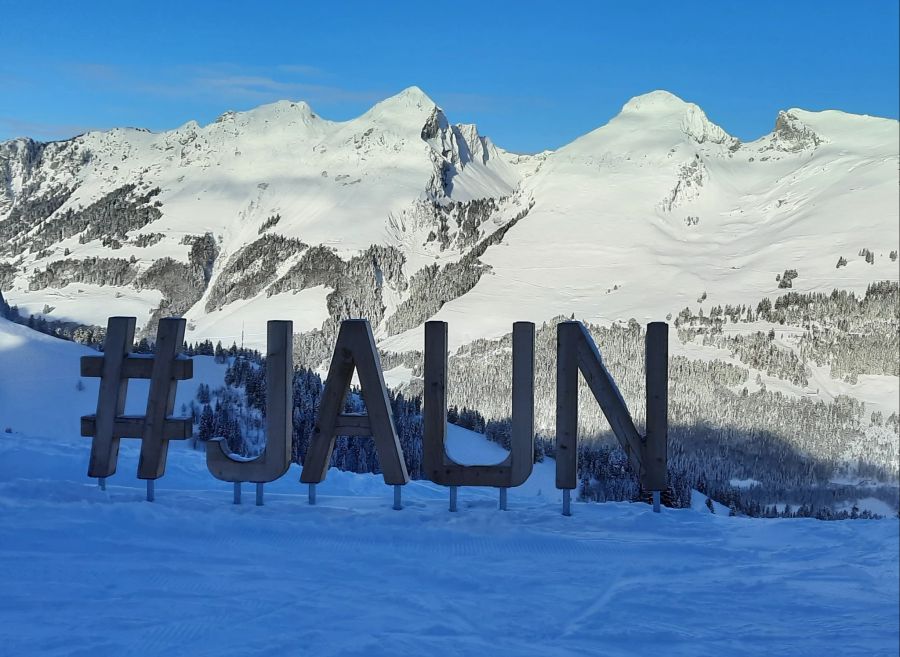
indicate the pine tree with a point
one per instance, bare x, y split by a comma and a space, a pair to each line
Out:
207, 423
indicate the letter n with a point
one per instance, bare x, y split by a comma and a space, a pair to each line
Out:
576, 351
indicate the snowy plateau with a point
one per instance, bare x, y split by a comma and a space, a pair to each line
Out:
775, 263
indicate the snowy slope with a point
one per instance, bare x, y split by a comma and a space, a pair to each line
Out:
193, 574
37, 369
39, 387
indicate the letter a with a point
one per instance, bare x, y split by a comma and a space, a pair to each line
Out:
355, 349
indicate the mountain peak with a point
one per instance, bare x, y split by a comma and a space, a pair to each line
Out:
281, 109
793, 134
663, 108
414, 91
659, 101
411, 97
407, 110
799, 129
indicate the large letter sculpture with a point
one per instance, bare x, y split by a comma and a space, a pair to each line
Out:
355, 349
276, 458
576, 351
437, 464
157, 427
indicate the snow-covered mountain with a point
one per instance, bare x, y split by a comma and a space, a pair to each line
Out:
660, 206
658, 194
401, 216
278, 181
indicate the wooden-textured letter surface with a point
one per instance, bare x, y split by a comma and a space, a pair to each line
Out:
111, 400
577, 352
157, 427
656, 445
276, 458
437, 465
161, 399
355, 349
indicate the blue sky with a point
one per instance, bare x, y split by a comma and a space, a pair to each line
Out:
533, 75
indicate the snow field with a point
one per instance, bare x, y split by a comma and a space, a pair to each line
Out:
87, 572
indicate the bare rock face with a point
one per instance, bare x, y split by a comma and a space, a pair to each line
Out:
698, 127
688, 183
791, 135
452, 149
18, 160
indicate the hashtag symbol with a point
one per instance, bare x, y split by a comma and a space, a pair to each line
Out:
157, 426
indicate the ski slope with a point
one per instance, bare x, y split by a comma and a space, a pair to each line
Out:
87, 572
42, 394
